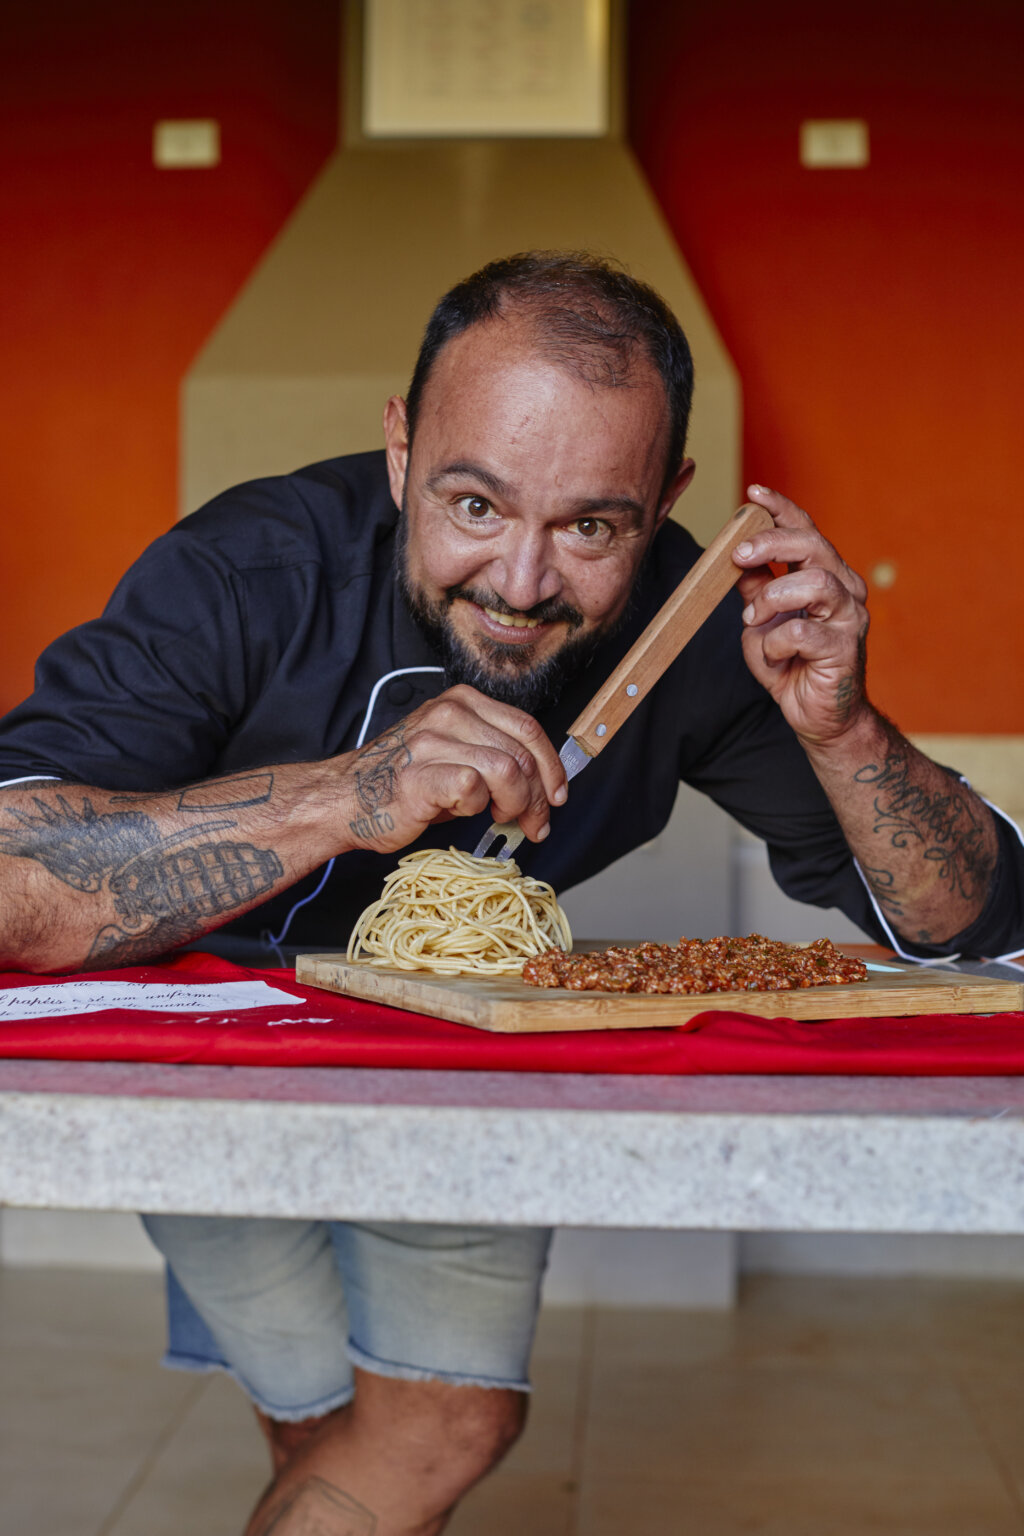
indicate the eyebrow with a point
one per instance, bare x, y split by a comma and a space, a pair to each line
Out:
498, 487
466, 467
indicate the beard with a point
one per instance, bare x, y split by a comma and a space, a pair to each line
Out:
509, 673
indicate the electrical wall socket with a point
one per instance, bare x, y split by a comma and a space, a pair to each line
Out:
186, 142
834, 141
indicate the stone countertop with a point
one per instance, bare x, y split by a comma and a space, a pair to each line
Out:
727, 1153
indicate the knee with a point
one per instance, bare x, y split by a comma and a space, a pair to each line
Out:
456, 1432
482, 1427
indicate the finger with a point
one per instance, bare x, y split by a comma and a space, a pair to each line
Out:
816, 592
785, 513
809, 639
479, 718
465, 777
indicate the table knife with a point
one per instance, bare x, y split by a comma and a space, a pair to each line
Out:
676, 622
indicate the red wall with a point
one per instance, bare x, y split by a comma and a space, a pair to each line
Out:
112, 273
876, 316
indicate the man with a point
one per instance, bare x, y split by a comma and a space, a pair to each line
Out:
297, 674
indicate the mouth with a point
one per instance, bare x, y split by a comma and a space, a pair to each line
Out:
511, 620
508, 629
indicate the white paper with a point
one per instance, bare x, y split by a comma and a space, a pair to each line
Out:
54, 999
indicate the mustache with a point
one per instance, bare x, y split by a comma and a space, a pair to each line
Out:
551, 611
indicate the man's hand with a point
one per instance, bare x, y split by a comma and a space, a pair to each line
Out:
806, 630
454, 756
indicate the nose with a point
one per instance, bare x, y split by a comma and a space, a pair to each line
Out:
524, 573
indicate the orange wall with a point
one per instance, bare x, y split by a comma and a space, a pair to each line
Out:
112, 273
876, 316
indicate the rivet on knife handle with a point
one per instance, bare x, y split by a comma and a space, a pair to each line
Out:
677, 621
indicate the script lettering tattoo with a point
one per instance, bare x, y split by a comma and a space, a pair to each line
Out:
165, 889
377, 768
317, 1508
882, 883
945, 826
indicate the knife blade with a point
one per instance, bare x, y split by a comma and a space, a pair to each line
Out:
674, 624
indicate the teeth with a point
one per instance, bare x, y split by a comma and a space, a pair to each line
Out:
512, 621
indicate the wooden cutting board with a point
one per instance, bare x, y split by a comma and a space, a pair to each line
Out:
508, 1006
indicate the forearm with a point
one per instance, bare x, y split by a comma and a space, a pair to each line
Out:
925, 842
92, 879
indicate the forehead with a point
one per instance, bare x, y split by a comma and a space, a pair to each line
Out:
498, 387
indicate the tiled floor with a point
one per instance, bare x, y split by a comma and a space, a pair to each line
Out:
821, 1407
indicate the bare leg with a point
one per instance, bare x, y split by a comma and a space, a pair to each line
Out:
285, 1436
393, 1462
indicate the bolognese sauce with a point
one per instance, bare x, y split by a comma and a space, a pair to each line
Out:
751, 964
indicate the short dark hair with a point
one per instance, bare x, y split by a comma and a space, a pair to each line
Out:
591, 317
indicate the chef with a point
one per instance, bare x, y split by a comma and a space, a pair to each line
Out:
318, 672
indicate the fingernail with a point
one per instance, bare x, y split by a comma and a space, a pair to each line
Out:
748, 614
758, 490
744, 550
545, 829
560, 795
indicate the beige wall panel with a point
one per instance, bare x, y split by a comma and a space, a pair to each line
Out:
330, 320
240, 428
993, 764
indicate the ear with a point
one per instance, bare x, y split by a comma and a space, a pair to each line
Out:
675, 488
396, 446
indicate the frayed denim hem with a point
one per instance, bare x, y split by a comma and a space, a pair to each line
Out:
397, 1372
291, 1415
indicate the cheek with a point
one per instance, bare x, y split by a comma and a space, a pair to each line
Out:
600, 588
436, 557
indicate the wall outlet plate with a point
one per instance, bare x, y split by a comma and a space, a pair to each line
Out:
186, 142
835, 141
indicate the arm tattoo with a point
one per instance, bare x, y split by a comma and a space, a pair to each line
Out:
882, 883
231, 794
317, 1508
166, 889
377, 768
944, 827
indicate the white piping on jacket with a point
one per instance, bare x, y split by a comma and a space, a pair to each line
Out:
363, 732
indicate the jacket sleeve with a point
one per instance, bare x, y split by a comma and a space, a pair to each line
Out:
145, 696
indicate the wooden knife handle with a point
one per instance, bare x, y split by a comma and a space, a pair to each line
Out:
676, 622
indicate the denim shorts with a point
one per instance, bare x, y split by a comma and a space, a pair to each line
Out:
288, 1307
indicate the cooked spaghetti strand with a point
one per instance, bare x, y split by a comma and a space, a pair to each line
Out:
446, 911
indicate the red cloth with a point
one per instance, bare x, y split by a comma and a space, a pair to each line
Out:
363, 1034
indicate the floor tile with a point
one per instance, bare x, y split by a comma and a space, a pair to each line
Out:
83, 1309
996, 1400
827, 1319
663, 1336
968, 1323
675, 1423
851, 1506
511, 1505
215, 1461
76, 1426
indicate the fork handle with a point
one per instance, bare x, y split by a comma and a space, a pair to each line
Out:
677, 621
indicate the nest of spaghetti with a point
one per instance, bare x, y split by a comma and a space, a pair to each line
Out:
451, 913
752, 964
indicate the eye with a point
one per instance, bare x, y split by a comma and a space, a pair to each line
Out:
590, 527
476, 508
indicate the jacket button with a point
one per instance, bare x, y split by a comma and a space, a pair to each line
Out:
399, 692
